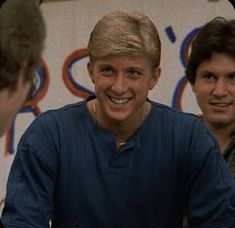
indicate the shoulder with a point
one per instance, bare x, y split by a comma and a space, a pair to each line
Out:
62, 115
183, 126
70, 109
53, 123
170, 114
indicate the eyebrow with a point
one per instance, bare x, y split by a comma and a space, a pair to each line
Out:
215, 72
207, 72
104, 64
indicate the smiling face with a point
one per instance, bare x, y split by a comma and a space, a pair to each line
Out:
215, 90
121, 86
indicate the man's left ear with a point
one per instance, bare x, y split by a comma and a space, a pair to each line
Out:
90, 71
155, 78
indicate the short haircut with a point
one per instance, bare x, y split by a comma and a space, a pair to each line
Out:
122, 33
216, 36
22, 35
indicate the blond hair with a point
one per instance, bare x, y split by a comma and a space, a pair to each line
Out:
122, 33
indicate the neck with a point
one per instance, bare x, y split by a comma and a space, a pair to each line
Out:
223, 136
123, 130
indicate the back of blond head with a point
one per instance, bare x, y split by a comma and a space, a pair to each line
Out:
128, 34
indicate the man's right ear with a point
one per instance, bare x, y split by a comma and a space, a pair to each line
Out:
90, 71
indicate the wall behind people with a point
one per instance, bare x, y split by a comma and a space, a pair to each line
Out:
63, 77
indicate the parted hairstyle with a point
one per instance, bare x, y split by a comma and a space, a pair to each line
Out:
22, 35
216, 36
127, 34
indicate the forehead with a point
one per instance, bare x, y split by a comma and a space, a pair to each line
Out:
218, 62
123, 61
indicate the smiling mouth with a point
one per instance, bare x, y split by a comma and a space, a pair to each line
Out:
220, 104
120, 101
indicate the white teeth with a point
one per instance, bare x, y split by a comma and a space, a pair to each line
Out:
221, 104
119, 101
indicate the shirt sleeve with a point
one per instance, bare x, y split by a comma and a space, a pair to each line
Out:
31, 183
213, 205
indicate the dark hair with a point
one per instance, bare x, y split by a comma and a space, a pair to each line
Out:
1, 2
216, 36
22, 35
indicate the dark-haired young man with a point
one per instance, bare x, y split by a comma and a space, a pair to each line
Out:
211, 73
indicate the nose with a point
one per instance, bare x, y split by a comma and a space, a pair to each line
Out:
220, 88
119, 84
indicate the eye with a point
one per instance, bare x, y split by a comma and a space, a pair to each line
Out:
208, 76
232, 77
107, 71
134, 73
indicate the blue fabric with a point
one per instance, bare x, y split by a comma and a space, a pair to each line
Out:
229, 155
68, 169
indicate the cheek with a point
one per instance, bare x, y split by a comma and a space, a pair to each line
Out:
200, 89
22, 95
100, 87
147, 86
152, 83
202, 97
103, 83
25, 92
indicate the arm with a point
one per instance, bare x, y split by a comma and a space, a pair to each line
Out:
30, 187
211, 198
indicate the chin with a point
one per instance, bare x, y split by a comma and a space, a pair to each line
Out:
220, 122
118, 117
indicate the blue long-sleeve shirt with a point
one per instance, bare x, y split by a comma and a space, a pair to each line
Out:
67, 170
